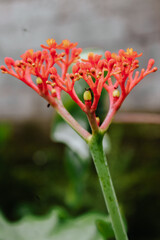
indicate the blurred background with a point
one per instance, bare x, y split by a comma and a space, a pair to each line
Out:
36, 171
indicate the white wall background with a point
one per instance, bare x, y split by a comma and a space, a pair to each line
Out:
106, 24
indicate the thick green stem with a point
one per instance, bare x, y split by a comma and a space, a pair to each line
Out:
101, 165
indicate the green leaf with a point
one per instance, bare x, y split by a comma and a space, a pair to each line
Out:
52, 227
77, 171
83, 227
65, 134
105, 228
28, 228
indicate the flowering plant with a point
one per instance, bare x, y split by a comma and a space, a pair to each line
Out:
114, 74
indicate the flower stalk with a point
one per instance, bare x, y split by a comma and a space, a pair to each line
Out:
105, 180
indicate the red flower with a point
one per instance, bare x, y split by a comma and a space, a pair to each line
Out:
66, 44
114, 73
51, 44
41, 64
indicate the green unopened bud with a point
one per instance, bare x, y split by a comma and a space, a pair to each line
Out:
116, 93
87, 95
39, 80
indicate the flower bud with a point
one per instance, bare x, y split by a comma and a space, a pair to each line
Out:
87, 96
75, 68
155, 69
39, 80
116, 93
98, 121
3, 68
9, 61
53, 92
108, 55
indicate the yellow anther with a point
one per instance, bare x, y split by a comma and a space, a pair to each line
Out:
100, 74
39, 80
50, 41
23, 67
2, 71
116, 93
129, 51
87, 96
30, 51
114, 55
66, 43
90, 55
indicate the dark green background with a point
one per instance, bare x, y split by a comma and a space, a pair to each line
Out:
37, 174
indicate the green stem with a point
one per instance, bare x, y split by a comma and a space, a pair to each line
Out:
101, 165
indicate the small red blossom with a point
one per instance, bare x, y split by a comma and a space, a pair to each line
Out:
114, 73
51, 44
66, 44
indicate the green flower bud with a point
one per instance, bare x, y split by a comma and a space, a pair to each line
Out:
87, 95
116, 93
39, 80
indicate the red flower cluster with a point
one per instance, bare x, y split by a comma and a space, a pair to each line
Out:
114, 73
41, 64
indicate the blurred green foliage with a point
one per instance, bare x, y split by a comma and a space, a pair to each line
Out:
37, 174
57, 226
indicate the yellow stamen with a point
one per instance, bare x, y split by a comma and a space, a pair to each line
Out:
30, 51
2, 71
129, 51
50, 41
66, 43
100, 74
90, 55
114, 55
